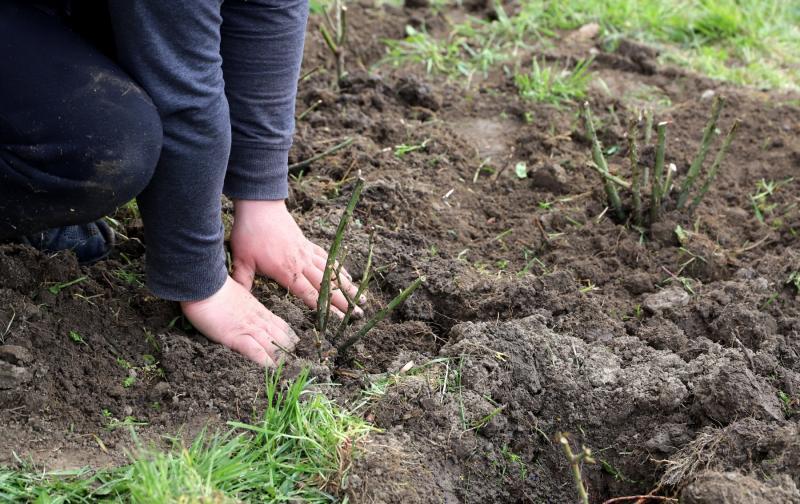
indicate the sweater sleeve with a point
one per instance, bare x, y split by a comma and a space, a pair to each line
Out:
262, 48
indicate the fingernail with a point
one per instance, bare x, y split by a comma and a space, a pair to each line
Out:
362, 299
358, 312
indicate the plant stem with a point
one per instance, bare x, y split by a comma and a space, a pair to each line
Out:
712, 172
671, 170
394, 303
657, 192
600, 163
636, 178
362, 287
648, 136
317, 157
700, 157
612, 178
324, 299
309, 110
575, 463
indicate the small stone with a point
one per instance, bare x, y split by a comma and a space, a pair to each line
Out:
671, 297
707, 94
12, 376
550, 177
14, 354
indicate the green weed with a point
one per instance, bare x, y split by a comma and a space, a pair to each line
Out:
548, 84
57, 288
299, 450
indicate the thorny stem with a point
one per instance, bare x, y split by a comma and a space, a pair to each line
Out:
360, 292
575, 461
636, 178
394, 303
658, 172
712, 172
324, 299
337, 147
600, 162
702, 152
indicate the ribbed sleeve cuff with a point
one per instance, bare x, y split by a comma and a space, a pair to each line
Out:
186, 278
257, 174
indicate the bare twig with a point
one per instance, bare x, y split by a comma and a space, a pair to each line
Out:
310, 109
317, 157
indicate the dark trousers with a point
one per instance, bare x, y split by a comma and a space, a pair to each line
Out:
78, 137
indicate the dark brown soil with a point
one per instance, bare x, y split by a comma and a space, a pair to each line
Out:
696, 395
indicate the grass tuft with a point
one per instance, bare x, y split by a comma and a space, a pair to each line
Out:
552, 85
300, 450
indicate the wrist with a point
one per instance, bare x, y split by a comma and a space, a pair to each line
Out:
244, 205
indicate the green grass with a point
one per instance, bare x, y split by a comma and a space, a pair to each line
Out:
553, 85
299, 450
753, 42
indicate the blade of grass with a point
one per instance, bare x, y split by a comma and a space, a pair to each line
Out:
702, 152
394, 303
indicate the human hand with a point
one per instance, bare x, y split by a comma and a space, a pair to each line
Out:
234, 318
266, 239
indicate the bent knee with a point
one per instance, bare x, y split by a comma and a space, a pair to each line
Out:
126, 154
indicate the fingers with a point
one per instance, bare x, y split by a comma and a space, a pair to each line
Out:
244, 273
250, 348
302, 288
338, 300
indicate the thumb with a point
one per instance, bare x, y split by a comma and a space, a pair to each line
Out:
244, 272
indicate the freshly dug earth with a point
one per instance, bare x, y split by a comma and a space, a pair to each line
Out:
677, 363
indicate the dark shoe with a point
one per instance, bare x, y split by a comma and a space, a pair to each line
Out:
90, 242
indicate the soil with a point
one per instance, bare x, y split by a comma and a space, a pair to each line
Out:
540, 313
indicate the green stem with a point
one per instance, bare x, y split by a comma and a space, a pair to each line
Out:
351, 304
657, 192
636, 179
648, 136
702, 152
712, 172
324, 299
397, 301
600, 162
